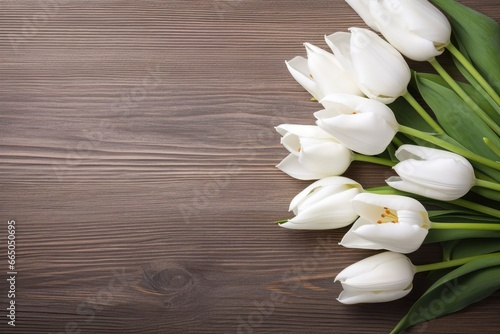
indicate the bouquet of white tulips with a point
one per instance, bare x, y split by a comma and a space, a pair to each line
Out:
446, 159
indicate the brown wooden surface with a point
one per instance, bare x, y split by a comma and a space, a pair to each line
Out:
137, 159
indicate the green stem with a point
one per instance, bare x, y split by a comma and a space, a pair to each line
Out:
476, 207
421, 111
396, 141
465, 226
487, 184
464, 96
451, 263
374, 160
448, 146
495, 149
472, 70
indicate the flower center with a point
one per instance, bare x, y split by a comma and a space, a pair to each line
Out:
388, 216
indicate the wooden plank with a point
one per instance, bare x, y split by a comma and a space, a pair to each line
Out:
137, 159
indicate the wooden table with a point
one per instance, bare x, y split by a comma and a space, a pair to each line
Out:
137, 160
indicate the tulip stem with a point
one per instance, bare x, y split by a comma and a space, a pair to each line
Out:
451, 263
465, 226
464, 96
421, 111
374, 160
449, 146
475, 74
487, 184
476, 207
396, 141
492, 146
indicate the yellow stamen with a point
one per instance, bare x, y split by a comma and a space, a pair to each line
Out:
388, 217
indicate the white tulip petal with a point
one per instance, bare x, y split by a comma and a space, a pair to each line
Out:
328, 73
335, 210
291, 166
401, 238
300, 72
361, 7
352, 240
365, 133
424, 19
291, 142
322, 193
356, 297
311, 131
432, 173
416, 152
325, 157
312, 225
380, 70
369, 205
340, 44
347, 104
327, 181
369, 264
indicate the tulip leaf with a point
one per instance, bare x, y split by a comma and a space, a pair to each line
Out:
472, 247
447, 235
406, 115
457, 289
480, 37
458, 119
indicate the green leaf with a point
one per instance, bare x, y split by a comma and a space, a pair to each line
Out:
458, 119
461, 287
480, 37
472, 247
406, 115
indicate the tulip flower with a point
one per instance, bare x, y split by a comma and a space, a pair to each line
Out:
363, 125
380, 70
395, 223
415, 27
314, 154
432, 173
379, 278
322, 74
325, 204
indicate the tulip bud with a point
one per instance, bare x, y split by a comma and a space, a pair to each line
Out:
379, 278
432, 173
415, 28
363, 125
322, 74
396, 223
314, 154
325, 204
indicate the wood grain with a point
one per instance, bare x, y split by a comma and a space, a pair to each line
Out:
137, 159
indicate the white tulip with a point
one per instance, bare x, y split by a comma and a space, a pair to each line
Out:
396, 223
363, 125
314, 154
380, 70
325, 204
432, 173
415, 27
321, 73
379, 278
